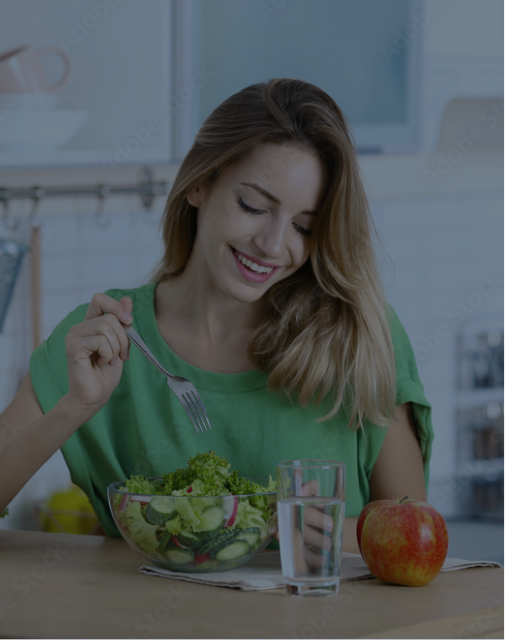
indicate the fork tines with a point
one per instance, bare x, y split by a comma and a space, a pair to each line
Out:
196, 411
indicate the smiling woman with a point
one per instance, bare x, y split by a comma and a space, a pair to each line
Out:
242, 246
268, 299
292, 142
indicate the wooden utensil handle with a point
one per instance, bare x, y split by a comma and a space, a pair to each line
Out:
36, 287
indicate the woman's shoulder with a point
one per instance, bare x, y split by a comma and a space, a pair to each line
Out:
405, 358
399, 336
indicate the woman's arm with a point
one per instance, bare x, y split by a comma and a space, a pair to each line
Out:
95, 351
399, 469
28, 438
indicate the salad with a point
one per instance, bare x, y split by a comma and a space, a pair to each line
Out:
199, 517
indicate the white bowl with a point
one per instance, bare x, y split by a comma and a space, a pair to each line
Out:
38, 129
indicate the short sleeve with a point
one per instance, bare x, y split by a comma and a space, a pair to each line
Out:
409, 388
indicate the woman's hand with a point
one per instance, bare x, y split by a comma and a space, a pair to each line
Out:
316, 527
313, 541
96, 349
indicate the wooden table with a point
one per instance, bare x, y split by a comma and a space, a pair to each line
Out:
69, 586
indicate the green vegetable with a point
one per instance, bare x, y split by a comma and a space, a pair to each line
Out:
251, 535
233, 551
189, 539
199, 522
180, 556
249, 516
218, 542
141, 532
160, 509
191, 511
212, 519
165, 538
140, 484
210, 471
174, 525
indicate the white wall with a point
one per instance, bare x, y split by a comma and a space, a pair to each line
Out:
441, 225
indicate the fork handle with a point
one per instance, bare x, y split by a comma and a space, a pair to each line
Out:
141, 345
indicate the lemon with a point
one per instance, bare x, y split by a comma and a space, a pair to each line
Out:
65, 512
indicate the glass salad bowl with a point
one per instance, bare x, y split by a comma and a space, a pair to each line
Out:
198, 534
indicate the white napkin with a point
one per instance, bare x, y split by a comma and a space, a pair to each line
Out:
264, 572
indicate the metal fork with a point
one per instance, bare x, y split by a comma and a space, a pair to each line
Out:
183, 389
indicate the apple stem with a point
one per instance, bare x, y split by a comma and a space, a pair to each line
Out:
403, 499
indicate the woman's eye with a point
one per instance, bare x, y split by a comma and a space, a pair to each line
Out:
303, 231
247, 208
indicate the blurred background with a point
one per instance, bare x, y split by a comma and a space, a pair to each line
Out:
100, 100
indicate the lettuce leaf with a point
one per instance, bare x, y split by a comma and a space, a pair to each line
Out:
191, 510
174, 526
249, 516
209, 469
140, 484
141, 532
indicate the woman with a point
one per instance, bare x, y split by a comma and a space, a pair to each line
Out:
268, 299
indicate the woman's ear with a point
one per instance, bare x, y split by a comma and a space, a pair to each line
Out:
194, 197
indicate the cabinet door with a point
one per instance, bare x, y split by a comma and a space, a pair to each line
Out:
364, 53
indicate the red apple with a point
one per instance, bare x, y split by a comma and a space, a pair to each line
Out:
402, 541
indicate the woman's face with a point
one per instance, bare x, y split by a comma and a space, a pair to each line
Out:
255, 220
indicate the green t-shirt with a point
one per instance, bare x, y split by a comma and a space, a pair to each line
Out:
143, 429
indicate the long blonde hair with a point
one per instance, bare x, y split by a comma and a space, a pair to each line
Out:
325, 328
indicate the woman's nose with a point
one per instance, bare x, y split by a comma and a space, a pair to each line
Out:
272, 237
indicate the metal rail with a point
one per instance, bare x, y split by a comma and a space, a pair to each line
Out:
147, 189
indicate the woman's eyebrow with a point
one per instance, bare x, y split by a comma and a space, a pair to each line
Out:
271, 197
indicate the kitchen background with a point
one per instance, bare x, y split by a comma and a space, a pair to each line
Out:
422, 84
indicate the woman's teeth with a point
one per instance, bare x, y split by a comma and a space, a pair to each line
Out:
252, 265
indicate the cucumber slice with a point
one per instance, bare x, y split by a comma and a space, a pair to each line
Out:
212, 518
233, 551
160, 509
250, 535
189, 539
219, 540
179, 556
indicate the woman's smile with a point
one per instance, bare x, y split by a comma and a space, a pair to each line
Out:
253, 269
255, 220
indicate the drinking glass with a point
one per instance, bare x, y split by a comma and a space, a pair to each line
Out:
311, 509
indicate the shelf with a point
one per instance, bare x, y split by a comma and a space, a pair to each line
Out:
470, 398
479, 468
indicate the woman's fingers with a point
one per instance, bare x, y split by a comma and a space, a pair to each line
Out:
127, 304
310, 488
99, 349
107, 316
107, 330
313, 517
314, 560
315, 524
110, 327
316, 539
102, 303
95, 350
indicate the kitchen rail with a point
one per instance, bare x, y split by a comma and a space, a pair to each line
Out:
146, 188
